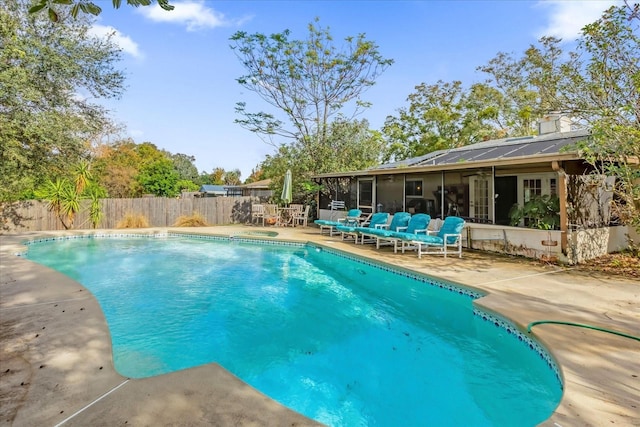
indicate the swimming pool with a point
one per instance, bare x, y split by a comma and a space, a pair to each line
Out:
342, 340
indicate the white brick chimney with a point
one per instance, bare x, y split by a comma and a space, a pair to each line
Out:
554, 122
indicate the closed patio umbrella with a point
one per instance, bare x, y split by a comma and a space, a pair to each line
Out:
286, 188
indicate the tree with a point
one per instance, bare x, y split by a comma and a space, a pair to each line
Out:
443, 115
77, 7
601, 83
307, 81
159, 178
216, 177
185, 167
232, 177
44, 124
256, 175
528, 85
349, 145
116, 168
63, 195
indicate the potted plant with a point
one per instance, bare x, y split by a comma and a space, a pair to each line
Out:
541, 212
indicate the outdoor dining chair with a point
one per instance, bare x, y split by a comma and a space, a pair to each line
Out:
257, 212
300, 217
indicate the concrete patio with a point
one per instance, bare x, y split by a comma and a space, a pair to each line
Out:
56, 365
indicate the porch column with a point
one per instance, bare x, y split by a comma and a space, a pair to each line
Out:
562, 198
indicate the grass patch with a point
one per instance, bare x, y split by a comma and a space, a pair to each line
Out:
193, 220
133, 221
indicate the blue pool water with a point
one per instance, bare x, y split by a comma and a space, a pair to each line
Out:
344, 342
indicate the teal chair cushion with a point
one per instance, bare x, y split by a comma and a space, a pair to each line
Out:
378, 218
400, 219
430, 240
418, 222
451, 225
353, 213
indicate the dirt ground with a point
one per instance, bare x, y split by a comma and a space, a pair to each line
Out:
618, 264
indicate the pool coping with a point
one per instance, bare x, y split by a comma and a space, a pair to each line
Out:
590, 398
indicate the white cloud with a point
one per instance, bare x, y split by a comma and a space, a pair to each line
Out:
124, 42
568, 17
195, 15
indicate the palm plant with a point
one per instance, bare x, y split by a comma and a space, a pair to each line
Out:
62, 199
95, 193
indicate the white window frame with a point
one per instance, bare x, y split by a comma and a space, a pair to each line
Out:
474, 203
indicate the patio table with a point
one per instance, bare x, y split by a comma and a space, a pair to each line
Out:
285, 216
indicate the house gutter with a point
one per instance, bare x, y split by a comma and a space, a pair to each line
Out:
511, 161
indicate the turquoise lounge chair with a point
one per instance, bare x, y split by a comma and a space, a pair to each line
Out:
418, 224
378, 220
449, 236
352, 219
400, 221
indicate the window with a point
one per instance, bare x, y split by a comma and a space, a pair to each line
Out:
413, 188
532, 188
480, 198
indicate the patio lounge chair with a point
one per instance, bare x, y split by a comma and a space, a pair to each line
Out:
399, 222
352, 219
378, 220
449, 236
418, 224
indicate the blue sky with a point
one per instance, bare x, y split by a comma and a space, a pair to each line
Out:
181, 87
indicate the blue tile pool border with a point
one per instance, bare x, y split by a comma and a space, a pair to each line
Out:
496, 320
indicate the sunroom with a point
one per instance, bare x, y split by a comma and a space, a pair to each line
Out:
493, 186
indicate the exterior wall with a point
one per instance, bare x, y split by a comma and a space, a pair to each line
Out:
527, 242
583, 245
592, 243
328, 214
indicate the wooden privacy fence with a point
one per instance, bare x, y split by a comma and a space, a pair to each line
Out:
33, 215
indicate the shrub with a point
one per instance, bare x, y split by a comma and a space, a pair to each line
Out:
193, 220
541, 212
133, 221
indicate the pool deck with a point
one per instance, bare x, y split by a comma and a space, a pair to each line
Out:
56, 365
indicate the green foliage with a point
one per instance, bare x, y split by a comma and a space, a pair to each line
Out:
541, 212
56, 8
307, 81
62, 199
185, 167
232, 177
602, 83
159, 178
116, 167
94, 192
63, 195
442, 116
348, 145
186, 185
529, 86
44, 126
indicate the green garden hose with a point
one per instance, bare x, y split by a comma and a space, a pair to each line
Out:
581, 325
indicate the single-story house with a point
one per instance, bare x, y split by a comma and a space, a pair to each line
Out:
260, 189
483, 182
212, 191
